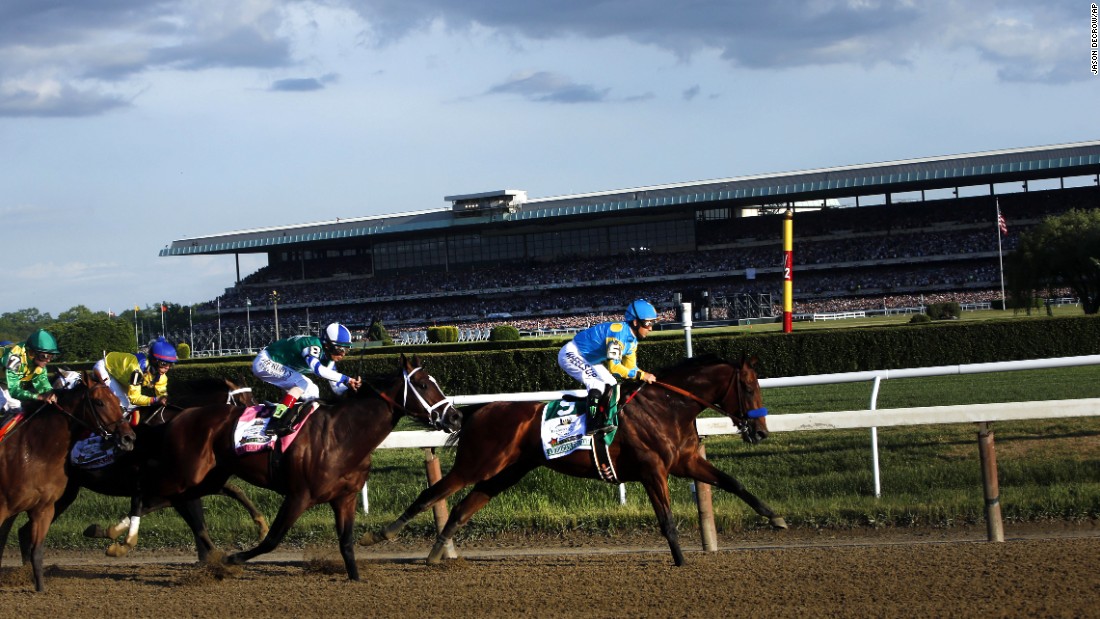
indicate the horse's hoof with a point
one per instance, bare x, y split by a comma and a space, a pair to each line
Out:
117, 550
778, 523
117, 530
95, 531
233, 559
370, 539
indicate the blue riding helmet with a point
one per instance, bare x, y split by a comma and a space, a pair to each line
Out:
640, 309
337, 334
161, 350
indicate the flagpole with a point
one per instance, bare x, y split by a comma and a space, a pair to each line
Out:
1000, 254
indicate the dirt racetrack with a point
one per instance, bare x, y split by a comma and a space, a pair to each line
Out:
1037, 572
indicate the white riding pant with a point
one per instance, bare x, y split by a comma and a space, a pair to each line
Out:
8, 403
591, 376
274, 373
122, 391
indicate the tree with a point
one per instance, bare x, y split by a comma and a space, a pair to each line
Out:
16, 326
1062, 251
76, 313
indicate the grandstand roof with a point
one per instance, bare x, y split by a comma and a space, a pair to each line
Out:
929, 173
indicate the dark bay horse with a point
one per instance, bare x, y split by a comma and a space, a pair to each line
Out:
121, 477
328, 462
33, 457
500, 443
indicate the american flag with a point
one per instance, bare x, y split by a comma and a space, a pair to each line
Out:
1001, 222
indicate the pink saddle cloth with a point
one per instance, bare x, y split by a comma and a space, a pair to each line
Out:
249, 436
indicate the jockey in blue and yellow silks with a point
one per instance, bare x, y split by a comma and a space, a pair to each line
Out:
614, 344
126, 374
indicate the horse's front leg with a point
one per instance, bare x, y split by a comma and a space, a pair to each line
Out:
478, 497
128, 525
439, 491
344, 510
292, 508
656, 486
72, 489
191, 512
5, 529
699, 469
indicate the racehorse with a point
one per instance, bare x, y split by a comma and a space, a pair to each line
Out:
121, 477
499, 443
33, 457
328, 462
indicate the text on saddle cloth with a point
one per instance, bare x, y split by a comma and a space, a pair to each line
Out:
249, 436
563, 428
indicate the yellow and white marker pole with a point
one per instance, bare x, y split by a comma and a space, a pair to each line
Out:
788, 269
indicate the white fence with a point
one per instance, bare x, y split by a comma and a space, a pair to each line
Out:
981, 414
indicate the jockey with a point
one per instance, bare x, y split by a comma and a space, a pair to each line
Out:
613, 343
25, 368
284, 362
127, 373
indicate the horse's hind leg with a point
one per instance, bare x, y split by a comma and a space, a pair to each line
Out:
344, 510
478, 497
239, 496
701, 470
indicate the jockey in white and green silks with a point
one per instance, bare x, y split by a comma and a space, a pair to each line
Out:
284, 363
614, 344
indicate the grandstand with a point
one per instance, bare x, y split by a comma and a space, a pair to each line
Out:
867, 237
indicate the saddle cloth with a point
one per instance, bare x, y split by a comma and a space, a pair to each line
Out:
249, 437
563, 428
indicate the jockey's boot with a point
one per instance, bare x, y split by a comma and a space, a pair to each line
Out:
281, 421
598, 421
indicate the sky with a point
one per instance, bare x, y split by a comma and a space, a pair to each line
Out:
127, 124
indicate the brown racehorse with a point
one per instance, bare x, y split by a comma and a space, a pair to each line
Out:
33, 474
328, 462
500, 443
121, 477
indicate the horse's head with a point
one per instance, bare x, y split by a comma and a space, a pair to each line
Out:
744, 404
91, 402
424, 400
239, 394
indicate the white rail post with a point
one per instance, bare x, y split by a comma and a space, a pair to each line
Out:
874, 439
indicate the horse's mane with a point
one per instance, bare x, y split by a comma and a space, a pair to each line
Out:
692, 364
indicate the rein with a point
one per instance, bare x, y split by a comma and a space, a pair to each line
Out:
435, 417
755, 413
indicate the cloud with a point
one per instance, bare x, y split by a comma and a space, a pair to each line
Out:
1023, 40
549, 87
303, 84
691, 93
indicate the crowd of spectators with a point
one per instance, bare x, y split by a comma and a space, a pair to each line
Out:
845, 259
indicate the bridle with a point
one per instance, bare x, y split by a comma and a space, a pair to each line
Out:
741, 421
89, 409
436, 412
231, 397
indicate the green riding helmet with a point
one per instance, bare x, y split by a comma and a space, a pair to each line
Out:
42, 341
